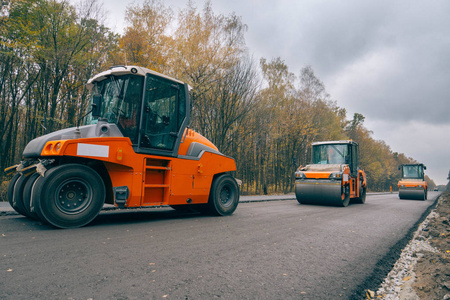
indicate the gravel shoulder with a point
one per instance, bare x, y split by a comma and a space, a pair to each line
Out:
423, 269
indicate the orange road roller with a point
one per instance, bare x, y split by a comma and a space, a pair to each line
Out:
412, 184
333, 178
134, 150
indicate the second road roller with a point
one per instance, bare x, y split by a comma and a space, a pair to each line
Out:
334, 177
412, 184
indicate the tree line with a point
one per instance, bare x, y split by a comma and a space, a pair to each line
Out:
258, 112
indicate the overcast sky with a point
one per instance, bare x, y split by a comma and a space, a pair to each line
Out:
388, 60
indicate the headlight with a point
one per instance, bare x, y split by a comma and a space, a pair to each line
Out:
300, 175
335, 175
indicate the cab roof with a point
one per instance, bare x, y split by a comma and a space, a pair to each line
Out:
124, 70
350, 142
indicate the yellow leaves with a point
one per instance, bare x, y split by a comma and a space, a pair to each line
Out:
407, 278
201, 44
152, 264
370, 294
144, 41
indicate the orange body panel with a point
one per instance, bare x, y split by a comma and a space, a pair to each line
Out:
192, 136
413, 183
151, 180
318, 175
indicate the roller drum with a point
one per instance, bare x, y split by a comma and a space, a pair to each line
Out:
323, 192
411, 193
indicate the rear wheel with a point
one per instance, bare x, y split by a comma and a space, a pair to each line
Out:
17, 196
10, 191
345, 197
224, 196
35, 196
28, 202
362, 193
69, 195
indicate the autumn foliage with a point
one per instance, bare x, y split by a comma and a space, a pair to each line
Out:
258, 112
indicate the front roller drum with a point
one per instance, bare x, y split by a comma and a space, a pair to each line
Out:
321, 192
413, 194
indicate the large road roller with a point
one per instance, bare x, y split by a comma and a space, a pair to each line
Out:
134, 150
334, 177
412, 184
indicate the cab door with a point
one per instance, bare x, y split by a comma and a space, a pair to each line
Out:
164, 116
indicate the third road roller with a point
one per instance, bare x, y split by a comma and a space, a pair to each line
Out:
412, 184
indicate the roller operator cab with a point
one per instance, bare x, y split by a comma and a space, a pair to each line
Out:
135, 150
412, 184
333, 178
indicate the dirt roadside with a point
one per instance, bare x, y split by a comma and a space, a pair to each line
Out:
423, 270
432, 271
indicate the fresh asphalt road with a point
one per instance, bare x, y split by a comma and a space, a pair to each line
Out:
265, 250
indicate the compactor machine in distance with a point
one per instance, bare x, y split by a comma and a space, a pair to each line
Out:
412, 184
135, 150
334, 177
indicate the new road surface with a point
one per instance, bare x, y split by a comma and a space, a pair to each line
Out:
265, 250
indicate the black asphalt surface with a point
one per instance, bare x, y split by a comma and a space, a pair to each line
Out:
265, 250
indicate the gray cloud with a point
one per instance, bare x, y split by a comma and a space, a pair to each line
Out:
389, 60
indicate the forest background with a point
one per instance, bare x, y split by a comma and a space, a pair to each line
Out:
258, 112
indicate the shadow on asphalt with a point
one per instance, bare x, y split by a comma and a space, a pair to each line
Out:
118, 217
134, 216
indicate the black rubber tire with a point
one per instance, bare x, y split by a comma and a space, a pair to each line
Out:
10, 190
223, 196
425, 195
27, 196
362, 199
35, 194
69, 196
362, 194
17, 198
346, 200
